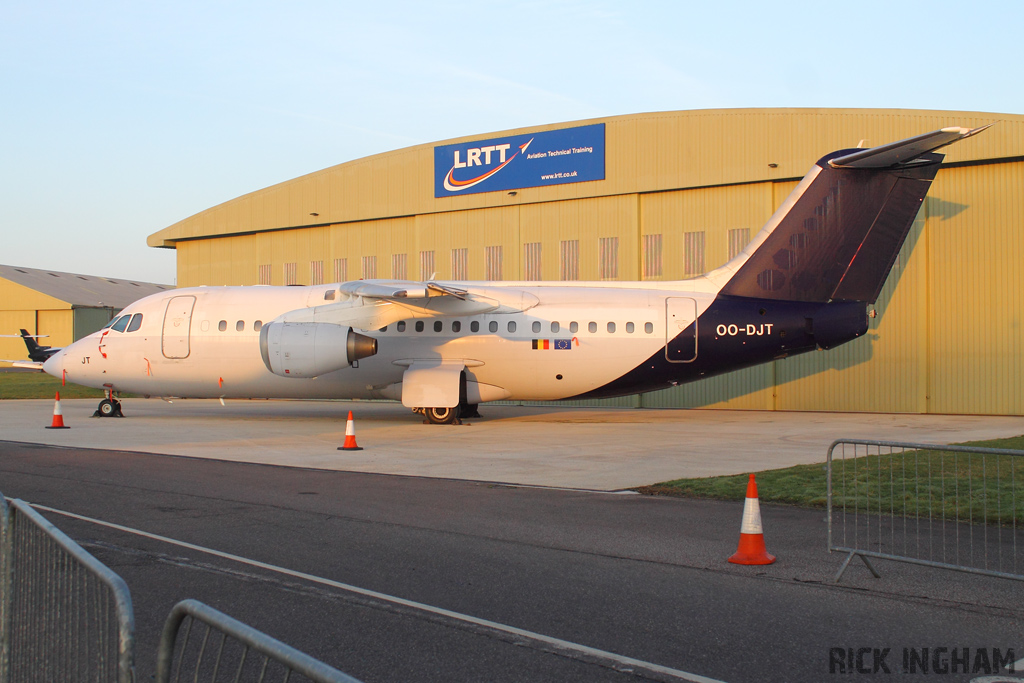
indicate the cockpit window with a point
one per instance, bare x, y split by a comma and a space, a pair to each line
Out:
121, 323
136, 322
111, 323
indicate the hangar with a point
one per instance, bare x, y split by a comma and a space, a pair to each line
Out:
666, 196
63, 306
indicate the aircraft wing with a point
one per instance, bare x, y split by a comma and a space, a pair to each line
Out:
23, 364
372, 305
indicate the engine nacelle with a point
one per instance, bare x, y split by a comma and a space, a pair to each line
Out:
312, 349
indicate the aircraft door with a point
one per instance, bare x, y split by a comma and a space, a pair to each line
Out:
680, 329
177, 321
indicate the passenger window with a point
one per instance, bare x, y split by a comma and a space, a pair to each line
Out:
555, 327
592, 327
474, 326
611, 327
511, 325
574, 327
240, 326
649, 328
121, 323
629, 328
257, 326
401, 326
438, 325
222, 325
536, 326
493, 326
136, 322
205, 326
456, 326
419, 325
329, 296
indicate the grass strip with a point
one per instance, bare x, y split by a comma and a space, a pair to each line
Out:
923, 483
22, 385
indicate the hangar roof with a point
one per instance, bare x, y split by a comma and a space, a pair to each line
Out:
650, 152
81, 290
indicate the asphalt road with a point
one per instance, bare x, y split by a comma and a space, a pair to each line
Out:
645, 578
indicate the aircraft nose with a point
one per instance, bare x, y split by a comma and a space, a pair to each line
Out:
54, 365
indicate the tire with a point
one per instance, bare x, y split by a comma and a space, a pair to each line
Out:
107, 408
442, 416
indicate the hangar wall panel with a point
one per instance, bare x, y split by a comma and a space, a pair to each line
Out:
976, 280
18, 307
59, 325
89, 320
10, 323
713, 210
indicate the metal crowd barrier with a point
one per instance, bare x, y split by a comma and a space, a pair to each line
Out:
5, 591
66, 616
222, 651
953, 507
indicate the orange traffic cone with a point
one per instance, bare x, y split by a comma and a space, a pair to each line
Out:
751, 549
58, 416
350, 435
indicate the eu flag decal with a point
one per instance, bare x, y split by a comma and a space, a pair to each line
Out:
556, 344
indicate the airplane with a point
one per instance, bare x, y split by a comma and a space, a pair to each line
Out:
37, 354
803, 283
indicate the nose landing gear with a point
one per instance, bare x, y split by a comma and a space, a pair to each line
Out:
109, 407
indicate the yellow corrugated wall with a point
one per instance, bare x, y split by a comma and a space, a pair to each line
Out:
10, 323
21, 307
975, 283
644, 153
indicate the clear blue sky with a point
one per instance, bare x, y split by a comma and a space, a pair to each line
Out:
121, 118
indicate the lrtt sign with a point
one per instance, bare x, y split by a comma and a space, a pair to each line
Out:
570, 155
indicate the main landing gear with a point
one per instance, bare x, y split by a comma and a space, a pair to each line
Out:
109, 407
449, 416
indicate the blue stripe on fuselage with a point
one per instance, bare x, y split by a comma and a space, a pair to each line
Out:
738, 332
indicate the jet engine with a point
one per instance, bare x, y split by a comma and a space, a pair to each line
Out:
312, 349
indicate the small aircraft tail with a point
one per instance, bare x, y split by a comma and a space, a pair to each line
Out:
36, 353
839, 232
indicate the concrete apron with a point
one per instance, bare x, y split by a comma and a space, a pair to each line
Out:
584, 448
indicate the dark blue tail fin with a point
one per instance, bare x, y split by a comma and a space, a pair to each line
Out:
845, 224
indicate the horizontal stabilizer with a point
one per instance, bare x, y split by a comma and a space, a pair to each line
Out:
904, 151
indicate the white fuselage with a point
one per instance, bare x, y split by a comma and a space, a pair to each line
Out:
563, 340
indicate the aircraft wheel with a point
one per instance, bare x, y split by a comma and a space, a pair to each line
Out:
442, 416
107, 408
